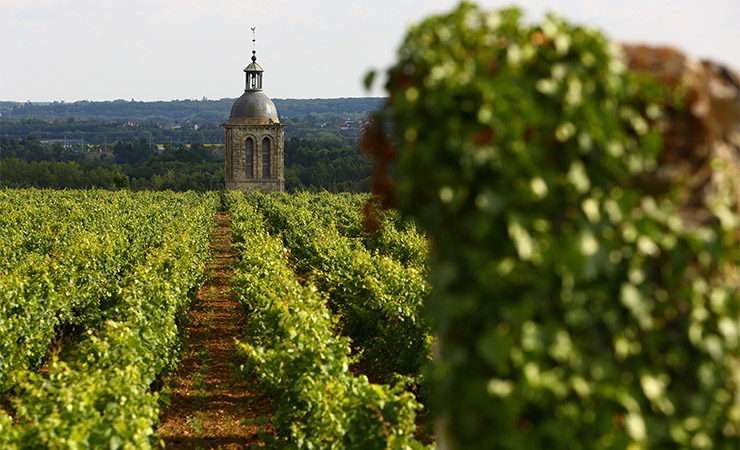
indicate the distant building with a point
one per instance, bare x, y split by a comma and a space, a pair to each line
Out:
66, 143
254, 139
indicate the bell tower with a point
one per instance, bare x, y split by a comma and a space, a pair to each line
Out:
254, 138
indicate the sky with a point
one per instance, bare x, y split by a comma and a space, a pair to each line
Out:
147, 50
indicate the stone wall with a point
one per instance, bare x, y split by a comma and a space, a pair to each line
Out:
235, 173
267, 186
701, 151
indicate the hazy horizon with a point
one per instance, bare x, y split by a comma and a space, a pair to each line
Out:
181, 99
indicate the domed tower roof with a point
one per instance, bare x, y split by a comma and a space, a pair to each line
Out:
254, 104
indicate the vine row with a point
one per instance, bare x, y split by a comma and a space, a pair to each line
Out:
101, 391
378, 298
292, 349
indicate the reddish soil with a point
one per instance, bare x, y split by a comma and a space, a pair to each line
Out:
211, 407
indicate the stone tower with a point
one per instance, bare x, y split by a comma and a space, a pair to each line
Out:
254, 139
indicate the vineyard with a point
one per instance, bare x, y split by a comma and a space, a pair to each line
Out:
549, 268
97, 285
94, 284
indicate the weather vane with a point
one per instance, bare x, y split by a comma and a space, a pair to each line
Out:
253, 39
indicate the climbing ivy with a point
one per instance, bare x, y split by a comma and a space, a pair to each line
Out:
572, 309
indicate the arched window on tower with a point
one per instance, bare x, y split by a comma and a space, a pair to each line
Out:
266, 158
249, 157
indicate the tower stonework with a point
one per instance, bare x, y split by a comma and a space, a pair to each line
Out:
254, 139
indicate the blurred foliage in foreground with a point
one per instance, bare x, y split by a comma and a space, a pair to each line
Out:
572, 309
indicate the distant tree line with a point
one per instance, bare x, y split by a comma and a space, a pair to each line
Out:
326, 163
103, 133
136, 165
201, 111
161, 145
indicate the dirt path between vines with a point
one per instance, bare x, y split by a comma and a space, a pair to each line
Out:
210, 408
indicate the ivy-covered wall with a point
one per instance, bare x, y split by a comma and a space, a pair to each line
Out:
575, 305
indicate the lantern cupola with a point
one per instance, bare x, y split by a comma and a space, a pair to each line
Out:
254, 74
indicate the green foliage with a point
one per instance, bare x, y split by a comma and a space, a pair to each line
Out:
298, 360
328, 163
128, 153
104, 123
571, 309
396, 237
31, 163
377, 298
180, 110
61, 253
116, 269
